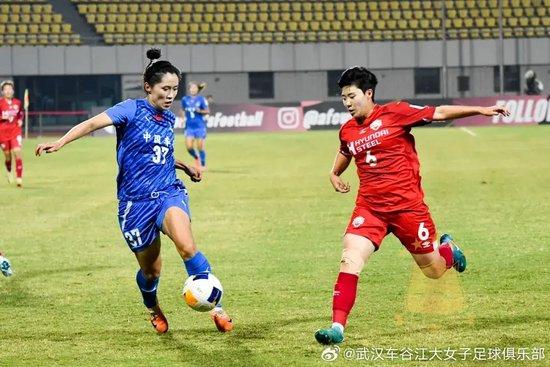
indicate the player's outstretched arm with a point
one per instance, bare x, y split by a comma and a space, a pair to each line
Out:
341, 162
194, 174
455, 112
84, 128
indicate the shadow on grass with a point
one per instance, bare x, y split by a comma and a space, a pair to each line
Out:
231, 349
89, 269
15, 291
249, 344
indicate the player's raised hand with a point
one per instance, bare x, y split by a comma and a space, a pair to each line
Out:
48, 147
338, 184
495, 110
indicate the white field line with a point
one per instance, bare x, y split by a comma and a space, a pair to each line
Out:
468, 131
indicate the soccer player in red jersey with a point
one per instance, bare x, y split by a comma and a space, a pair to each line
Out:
11, 119
390, 197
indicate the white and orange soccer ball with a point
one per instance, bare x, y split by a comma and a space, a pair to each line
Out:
202, 292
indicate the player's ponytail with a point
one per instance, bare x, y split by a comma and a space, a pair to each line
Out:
152, 54
200, 85
155, 70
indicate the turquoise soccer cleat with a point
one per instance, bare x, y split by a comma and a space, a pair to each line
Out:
5, 267
329, 336
459, 260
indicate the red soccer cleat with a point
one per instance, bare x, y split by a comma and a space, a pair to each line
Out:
159, 322
222, 320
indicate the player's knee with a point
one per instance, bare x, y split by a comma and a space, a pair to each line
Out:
187, 251
351, 261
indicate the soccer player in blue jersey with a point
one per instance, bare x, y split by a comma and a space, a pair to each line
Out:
195, 108
151, 197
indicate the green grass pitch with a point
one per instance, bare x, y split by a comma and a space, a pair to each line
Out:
270, 223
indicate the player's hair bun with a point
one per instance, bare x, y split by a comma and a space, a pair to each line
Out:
153, 54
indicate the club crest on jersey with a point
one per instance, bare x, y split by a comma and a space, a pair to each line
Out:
376, 124
357, 221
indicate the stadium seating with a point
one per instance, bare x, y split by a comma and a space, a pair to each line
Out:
127, 21
184, 22
33, 23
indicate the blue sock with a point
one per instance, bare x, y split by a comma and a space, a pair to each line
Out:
193, 153
148, 289
202, 154
197, 264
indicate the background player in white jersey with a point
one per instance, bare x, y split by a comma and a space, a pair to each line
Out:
151, 197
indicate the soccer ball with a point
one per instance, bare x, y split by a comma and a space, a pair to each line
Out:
202, 292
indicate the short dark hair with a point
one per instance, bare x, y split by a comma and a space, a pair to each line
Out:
360, 77
155, 70
6, 82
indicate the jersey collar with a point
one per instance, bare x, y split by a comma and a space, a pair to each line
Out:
158, 115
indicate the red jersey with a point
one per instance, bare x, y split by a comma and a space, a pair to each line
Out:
385, 155
11, 112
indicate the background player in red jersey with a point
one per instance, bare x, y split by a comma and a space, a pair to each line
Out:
11, 120
390, 197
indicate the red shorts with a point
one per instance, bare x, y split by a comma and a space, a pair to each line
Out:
414, 227
10, 144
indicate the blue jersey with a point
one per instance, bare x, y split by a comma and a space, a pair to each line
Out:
145, 149
194, 120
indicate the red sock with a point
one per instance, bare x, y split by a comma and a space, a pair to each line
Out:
447, 253
345, 291
8, 165
19, 167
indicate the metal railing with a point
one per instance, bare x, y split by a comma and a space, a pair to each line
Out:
51, 122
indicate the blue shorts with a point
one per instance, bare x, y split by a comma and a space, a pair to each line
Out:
198, 133
141, 221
